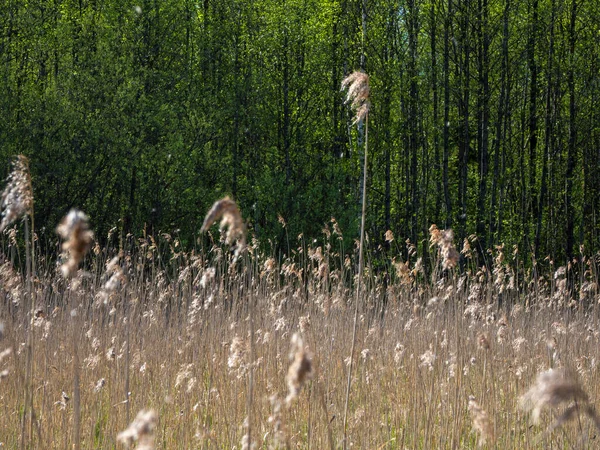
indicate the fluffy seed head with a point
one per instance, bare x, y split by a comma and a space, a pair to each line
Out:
229, 213
551, 389
444, 239
10, 280
357, 84
4, 353
75, 230
300, 370
481, 422
115, 279
389, 236
17, 198
99, 385
141, 430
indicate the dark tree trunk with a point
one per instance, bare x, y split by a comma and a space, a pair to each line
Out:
435, 119
446, 137
484, 94
501, 125
571, 157
531, 202
465, 141
413, 107
549, 130
286, 108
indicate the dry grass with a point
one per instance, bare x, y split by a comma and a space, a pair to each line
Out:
185, 318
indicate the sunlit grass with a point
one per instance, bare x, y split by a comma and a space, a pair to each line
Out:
442, 339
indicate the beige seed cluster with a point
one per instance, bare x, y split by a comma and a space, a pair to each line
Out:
141, 430
357, 95
300, 370
17, 198
231, 218
74, 229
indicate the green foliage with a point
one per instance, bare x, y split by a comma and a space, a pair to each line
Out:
142, 115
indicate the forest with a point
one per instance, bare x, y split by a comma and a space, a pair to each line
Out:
406, 193
484, 117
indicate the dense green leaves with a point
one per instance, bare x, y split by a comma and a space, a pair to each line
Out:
484, 115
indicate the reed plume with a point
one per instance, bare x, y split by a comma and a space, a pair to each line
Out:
115, 279
17, 197
481, 422
357, 95
3, 355
552, 388
444, 240
78, 237
300, 370
229, 213
10, 282
16, 201
141, 430
227, 210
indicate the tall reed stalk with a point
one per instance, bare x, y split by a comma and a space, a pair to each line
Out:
227, 211
251, 356
78, 238
357, 84
17, 202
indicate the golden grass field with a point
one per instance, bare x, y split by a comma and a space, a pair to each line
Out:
146, 326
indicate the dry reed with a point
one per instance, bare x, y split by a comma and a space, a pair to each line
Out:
74, 229
481, 422
231, 218
357, 95
357, 84
300, 370
140, 431
552, 388
17, 197
168, 334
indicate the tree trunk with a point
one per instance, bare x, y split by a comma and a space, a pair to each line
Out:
413, 138
571, 157
446, 136
484, 94
500, 141
463, 151
434, 88
549, 127
531, 204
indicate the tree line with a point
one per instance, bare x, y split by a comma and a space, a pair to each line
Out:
484, 116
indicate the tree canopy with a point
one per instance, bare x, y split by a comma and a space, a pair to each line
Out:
484, 115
